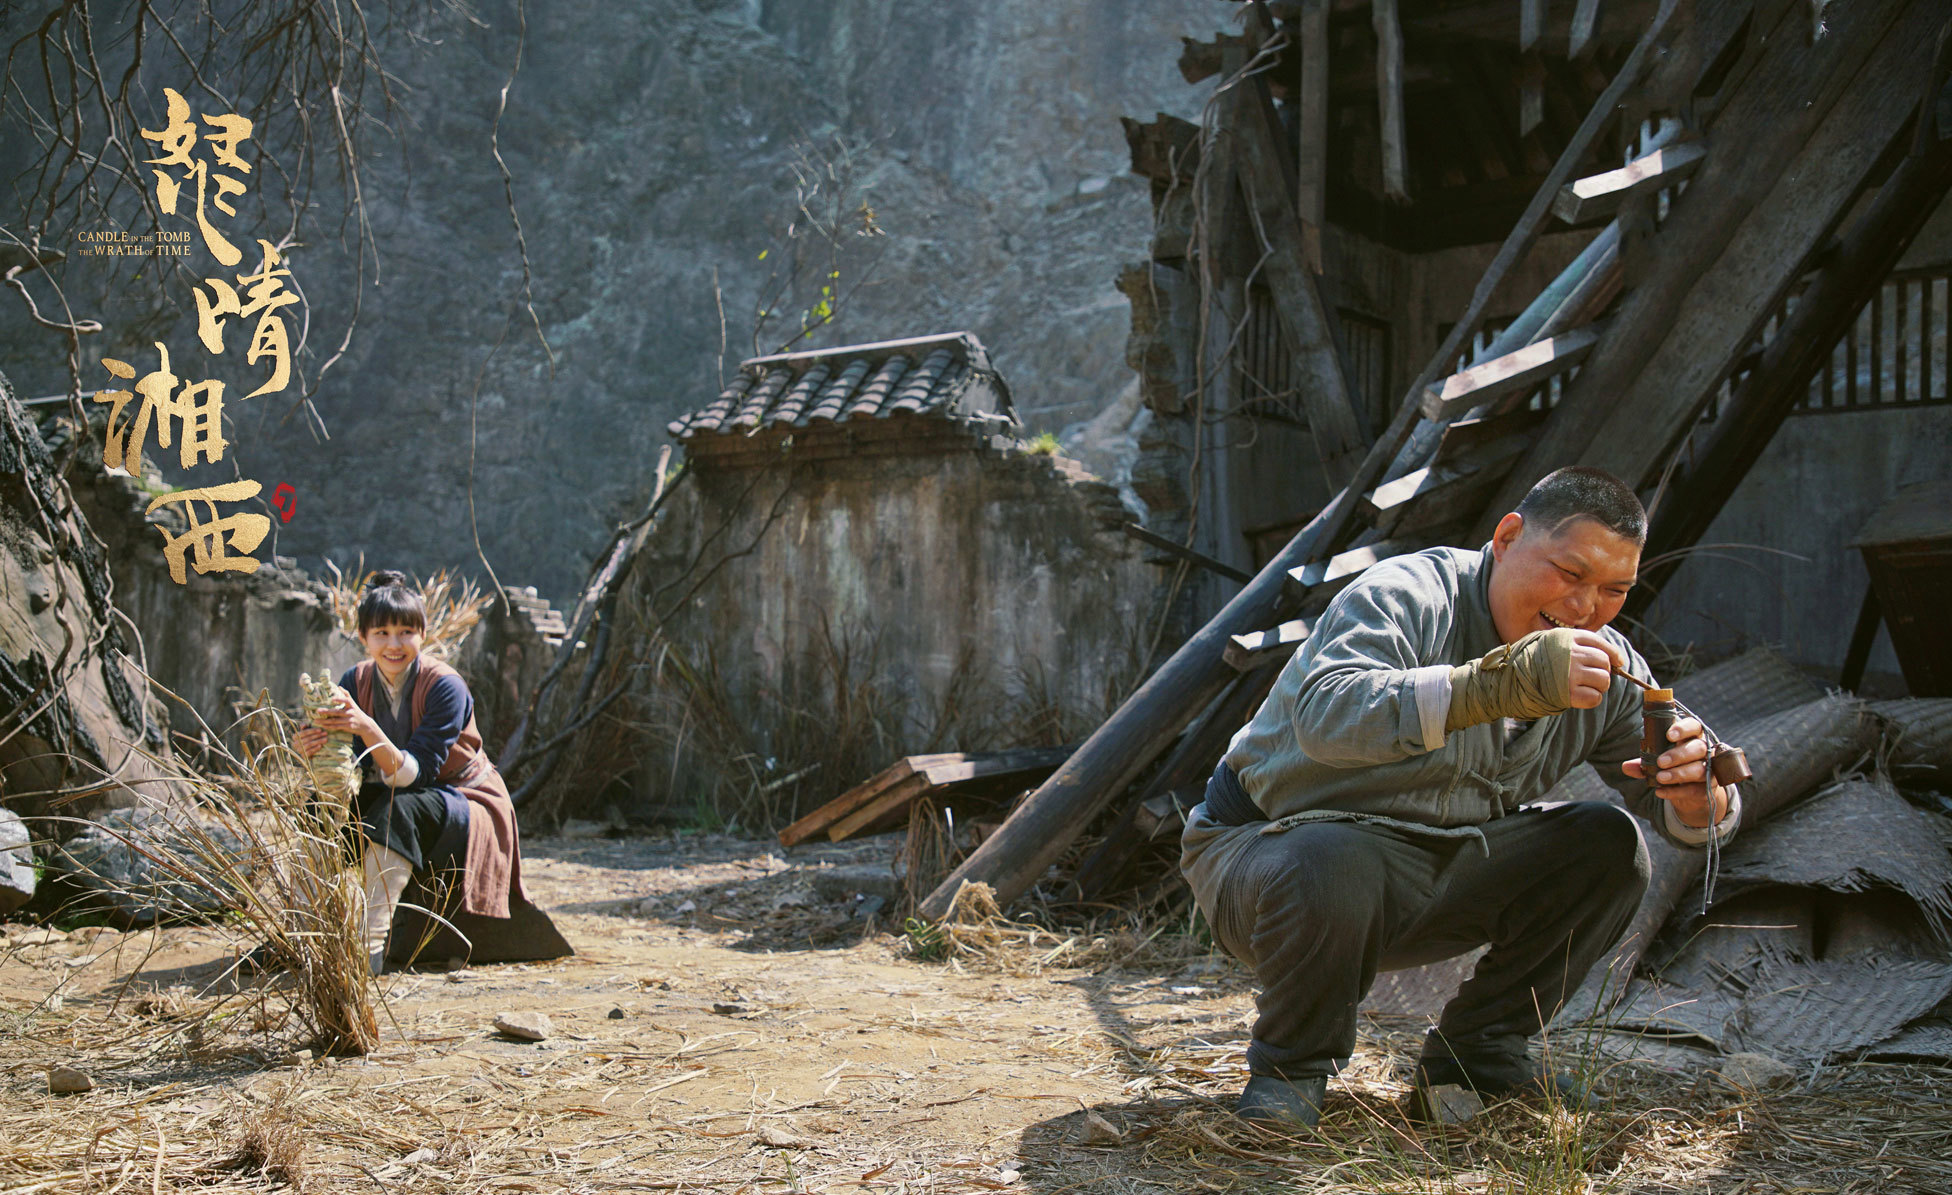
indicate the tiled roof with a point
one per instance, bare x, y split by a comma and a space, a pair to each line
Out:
945, 377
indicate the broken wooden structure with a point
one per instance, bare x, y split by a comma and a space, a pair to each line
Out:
885, 796
1665, 349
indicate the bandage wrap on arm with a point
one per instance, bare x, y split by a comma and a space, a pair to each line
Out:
1527, 679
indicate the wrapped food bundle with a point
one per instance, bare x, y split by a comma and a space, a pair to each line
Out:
335, 769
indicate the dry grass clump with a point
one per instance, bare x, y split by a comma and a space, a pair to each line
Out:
293, 885
976, 933
271, 1140
454, 606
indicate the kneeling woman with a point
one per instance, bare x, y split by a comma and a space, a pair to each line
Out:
431, 804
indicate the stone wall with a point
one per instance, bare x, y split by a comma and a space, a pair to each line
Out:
217, 641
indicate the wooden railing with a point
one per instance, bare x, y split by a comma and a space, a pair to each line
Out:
1895, 355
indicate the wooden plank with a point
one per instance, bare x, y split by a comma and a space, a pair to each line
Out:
1352, 562
917, 775
1585, 20
1601, 194
1163, 815
1438, 482
1165, 150
1389, 98
1515, 371
1247, 652
992, 765
846, 803
1811, 121
1466, 434
1127, 743
883, 803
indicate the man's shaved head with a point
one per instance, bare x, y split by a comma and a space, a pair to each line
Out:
1579, 492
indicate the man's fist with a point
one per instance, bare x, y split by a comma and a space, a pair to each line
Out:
1589, 667
1545, 672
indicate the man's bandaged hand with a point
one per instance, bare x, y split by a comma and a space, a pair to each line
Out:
1545, 672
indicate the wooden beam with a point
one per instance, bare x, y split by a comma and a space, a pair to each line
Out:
1439, 483
1248, 652
1863, 637
1045, 825
1826, 311
1811, 122
1185, 553
1601, 194
1311, 148
1321, 374
1389, 98
1531, 93
1187, 766
1513, 372
1531, 81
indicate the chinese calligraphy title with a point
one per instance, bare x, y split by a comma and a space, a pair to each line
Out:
189, 414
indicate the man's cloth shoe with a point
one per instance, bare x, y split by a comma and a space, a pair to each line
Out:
1279, 1104
1495, 1076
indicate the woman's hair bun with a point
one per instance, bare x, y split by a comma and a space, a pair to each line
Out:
387, 576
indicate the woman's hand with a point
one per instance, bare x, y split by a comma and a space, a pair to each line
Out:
344, 714
309, 741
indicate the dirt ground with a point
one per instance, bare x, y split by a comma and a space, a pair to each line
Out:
731, 1022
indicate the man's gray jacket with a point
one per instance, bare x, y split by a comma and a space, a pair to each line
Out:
1354, 726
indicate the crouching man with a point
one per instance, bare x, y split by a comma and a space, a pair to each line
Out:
1376, 813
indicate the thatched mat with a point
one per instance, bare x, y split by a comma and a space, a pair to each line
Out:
1792, 753
1853, 836
1752, 686
1920, 738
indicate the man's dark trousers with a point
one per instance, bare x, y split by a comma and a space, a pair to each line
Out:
1318, 909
